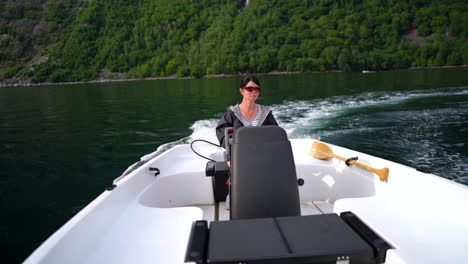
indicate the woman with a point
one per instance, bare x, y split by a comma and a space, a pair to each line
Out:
247, 112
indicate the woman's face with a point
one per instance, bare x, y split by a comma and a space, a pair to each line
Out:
250, 91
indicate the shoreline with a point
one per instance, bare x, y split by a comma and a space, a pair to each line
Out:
28, 83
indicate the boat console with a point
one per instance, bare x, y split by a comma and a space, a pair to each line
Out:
265, 223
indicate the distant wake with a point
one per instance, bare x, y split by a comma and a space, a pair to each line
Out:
373, 120
305, 119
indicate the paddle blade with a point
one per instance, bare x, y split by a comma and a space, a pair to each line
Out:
320, 151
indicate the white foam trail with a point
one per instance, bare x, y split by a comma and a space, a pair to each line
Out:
307, 118
204, 129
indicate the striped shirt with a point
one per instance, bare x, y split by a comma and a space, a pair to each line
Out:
255, 121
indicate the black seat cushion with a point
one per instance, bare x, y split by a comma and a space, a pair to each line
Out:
298, 239
263, 174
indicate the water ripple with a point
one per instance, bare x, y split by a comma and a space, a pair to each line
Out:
391, 125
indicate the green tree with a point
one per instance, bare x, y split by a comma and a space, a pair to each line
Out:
192, 38
344, 60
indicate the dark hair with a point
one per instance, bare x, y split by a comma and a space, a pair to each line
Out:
247, 78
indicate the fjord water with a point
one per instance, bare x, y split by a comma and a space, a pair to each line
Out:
61, 146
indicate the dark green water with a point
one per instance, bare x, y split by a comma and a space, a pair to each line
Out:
61, 146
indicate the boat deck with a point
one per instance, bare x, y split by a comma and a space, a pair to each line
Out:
219, 212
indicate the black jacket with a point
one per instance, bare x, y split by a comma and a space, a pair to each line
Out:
230, 119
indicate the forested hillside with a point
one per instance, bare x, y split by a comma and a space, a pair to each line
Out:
77, 40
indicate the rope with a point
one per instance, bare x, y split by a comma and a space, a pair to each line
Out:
202, 140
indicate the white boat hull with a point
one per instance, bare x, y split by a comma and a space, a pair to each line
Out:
147, 218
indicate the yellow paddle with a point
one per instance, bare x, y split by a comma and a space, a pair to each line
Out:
321, 151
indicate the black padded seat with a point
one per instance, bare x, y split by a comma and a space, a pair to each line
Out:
263, 174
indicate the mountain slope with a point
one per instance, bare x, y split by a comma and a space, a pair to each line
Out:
78, 40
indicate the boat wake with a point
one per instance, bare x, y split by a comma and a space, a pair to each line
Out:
370, 120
